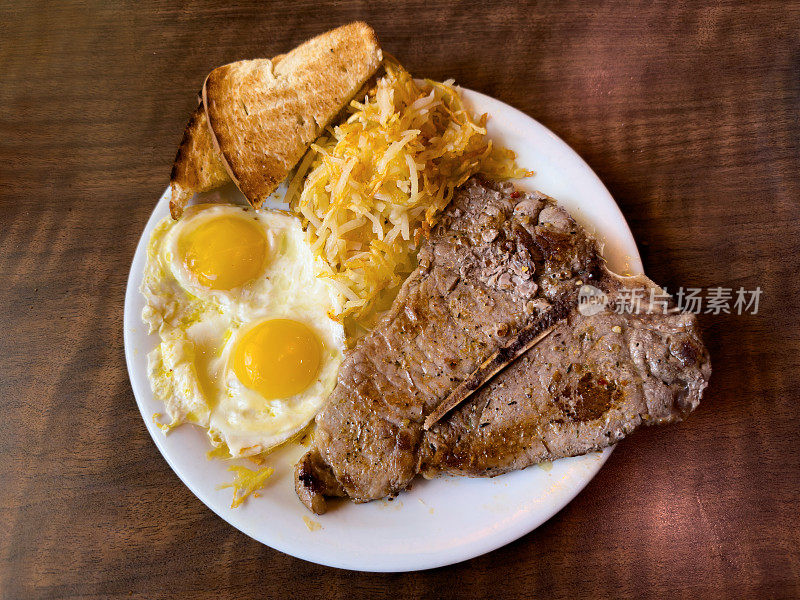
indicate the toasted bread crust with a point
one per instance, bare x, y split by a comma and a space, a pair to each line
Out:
198, 166
264, 114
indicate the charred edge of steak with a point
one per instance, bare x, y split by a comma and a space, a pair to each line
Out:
314, 480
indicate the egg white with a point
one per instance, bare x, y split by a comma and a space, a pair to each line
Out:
191, 368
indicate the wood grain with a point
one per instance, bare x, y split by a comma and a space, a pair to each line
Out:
687, 111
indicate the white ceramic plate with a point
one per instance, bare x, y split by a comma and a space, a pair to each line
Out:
437, 522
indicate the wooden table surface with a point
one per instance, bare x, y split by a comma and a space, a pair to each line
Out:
687, 111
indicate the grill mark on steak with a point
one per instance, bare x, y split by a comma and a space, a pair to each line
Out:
471, 294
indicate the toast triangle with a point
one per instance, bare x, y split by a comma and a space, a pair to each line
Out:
263, 116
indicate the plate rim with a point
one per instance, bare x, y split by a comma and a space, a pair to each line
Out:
458, 554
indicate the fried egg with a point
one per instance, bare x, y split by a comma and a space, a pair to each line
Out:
247, 347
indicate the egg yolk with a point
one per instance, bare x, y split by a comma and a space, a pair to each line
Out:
224, 253
278, 358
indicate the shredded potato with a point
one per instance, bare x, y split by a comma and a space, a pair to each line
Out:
246, 482
377, 182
